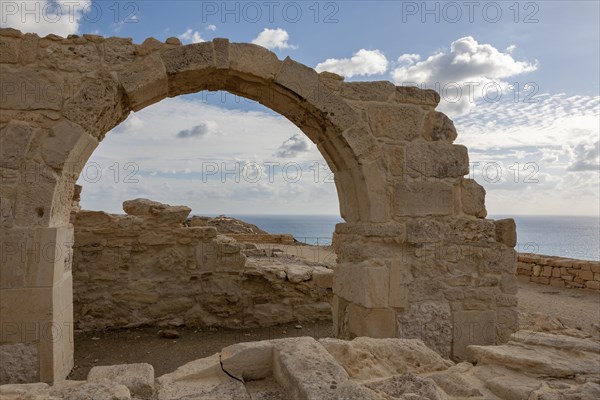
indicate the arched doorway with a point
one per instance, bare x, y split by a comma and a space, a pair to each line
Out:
416, 258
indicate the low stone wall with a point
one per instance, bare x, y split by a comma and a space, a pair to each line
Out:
264, 238
146, 267
558, 271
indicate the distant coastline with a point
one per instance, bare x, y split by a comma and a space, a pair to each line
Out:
562, 236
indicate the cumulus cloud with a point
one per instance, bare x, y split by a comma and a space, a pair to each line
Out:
191, 36
211, 27
363, 62
294, 146
203, 129
477, 69
132, 124
274, 39
60, 17
585, 157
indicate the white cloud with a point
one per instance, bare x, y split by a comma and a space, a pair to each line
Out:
152, 162
294, 146
363, 62
408, 58
211, 27
547, 151
60, 17
274, 39
464, 71
202, 129
191, 36
585, 157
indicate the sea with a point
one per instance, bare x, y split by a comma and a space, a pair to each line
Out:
563, 236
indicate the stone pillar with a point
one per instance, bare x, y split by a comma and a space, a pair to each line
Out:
36, 304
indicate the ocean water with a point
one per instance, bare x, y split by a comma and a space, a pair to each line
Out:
564, 236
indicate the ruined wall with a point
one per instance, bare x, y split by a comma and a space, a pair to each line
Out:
147, 268
558, 271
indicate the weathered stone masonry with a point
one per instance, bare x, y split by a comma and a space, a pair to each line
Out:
148, 268
416, 256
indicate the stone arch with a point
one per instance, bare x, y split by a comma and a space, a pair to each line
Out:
399, 180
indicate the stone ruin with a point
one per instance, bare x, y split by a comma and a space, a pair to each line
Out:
148, 268
416, 257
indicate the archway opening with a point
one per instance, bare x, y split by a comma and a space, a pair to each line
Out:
254, 253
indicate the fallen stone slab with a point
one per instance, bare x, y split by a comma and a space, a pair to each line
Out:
200, 380
26, 391
307, 371
367, 358
138, 378
542, 354
407, 386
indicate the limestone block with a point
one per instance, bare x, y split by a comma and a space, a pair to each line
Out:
188, 66
395, 122
429, 321
438, 126
24, 308
149, 46
400, 279
366, 358
585, 275
423, 198
323, 277
65, 141
298, 273
415, 95
424, 231
436, 159
305, 83
249, 361
293, 368
546, 354
30, 391
138, 378
201, 379
221, 53
72, 57
394, 156
98, 105
30, 89
118, 51
9, 50
507, 323
362, 143
19, 361
506, 231
472, 328
98, 391
145, 82
381, 91
409, 386
473, 198
253, 60
513, 386
509, 284
300, 79
372, 322
366, 283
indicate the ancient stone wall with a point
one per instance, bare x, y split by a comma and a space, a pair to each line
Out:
146, 267
558, 271
416, 256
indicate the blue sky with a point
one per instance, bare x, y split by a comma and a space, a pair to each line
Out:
543, 142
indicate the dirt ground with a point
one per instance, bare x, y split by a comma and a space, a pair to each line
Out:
573, 308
